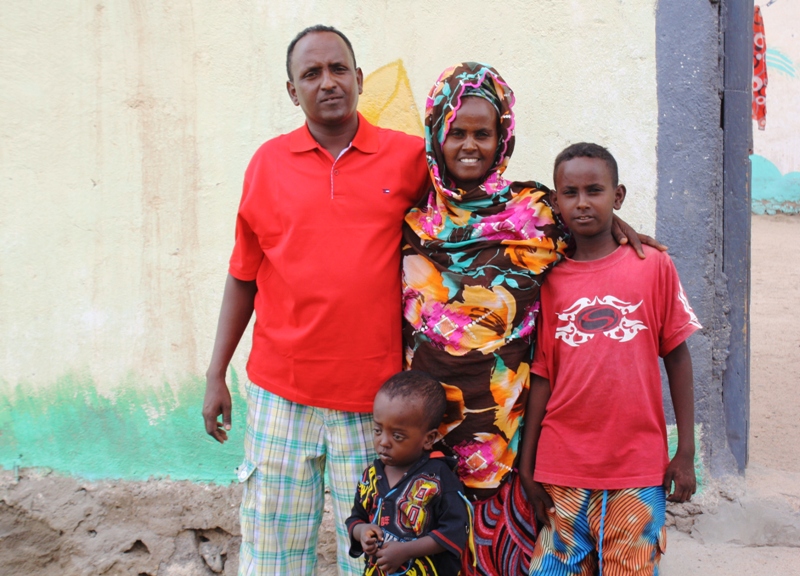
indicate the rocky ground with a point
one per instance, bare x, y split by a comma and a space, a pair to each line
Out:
50, 525
56, 526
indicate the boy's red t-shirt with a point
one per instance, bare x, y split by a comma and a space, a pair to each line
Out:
321, 237
603, 325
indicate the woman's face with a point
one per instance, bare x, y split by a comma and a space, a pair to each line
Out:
471, 144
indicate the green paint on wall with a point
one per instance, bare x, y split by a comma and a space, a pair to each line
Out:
140, 432
773, 192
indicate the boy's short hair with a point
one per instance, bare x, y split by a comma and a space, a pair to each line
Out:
307, 31
587, 150
419, 385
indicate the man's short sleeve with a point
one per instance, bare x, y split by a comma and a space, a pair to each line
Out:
247, 252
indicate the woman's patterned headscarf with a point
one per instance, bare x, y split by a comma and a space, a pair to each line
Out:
469, 79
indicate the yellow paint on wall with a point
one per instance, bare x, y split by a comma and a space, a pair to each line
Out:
387, 100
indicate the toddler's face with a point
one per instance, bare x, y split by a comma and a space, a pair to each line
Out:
400, 431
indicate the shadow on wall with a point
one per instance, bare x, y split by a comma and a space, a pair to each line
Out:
772, 191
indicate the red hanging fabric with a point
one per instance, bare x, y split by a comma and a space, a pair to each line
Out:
759, 71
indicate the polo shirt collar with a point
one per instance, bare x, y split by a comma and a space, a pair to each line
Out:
366, 138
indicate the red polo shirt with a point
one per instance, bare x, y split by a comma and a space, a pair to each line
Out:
321, 237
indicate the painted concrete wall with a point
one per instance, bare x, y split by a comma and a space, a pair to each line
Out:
776, 150
126, 128
689, 216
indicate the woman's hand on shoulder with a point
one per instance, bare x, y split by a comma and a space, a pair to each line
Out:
624, 234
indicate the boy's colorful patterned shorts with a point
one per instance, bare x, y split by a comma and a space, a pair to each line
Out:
605, 532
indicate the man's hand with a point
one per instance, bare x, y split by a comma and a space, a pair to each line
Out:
681, 472
624, 234
370, 537
391, 556
539, 499
237, 307
217, 402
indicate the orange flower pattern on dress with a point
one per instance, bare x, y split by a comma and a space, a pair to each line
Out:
456, 410
473, 262
509, 390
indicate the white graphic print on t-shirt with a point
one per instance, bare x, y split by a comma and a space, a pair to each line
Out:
607, 316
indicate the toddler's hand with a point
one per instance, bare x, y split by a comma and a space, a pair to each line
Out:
371, 537
391, 556
681, 472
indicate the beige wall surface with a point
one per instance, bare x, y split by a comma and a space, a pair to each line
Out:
127, 125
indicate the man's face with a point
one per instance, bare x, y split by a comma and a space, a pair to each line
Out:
325, 82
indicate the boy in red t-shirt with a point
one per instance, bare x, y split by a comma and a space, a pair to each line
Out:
594, 458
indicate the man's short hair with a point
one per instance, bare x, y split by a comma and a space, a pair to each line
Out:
419, 385
587, 150
307, 31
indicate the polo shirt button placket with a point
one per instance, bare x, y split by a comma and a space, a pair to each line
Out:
334, 172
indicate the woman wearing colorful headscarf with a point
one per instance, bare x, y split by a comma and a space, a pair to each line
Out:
475, 252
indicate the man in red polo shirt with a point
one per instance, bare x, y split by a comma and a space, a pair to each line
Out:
317, 256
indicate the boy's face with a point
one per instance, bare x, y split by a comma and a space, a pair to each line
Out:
585, 196
400, 430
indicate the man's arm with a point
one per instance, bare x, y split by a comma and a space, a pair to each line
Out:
678, 364
538, 396
237, 307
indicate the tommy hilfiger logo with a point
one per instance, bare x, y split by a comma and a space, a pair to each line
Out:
386, 190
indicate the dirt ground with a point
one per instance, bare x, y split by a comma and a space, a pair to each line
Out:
51, 525
775, 343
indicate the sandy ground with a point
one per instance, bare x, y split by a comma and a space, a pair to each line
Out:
757, 533
775, 343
